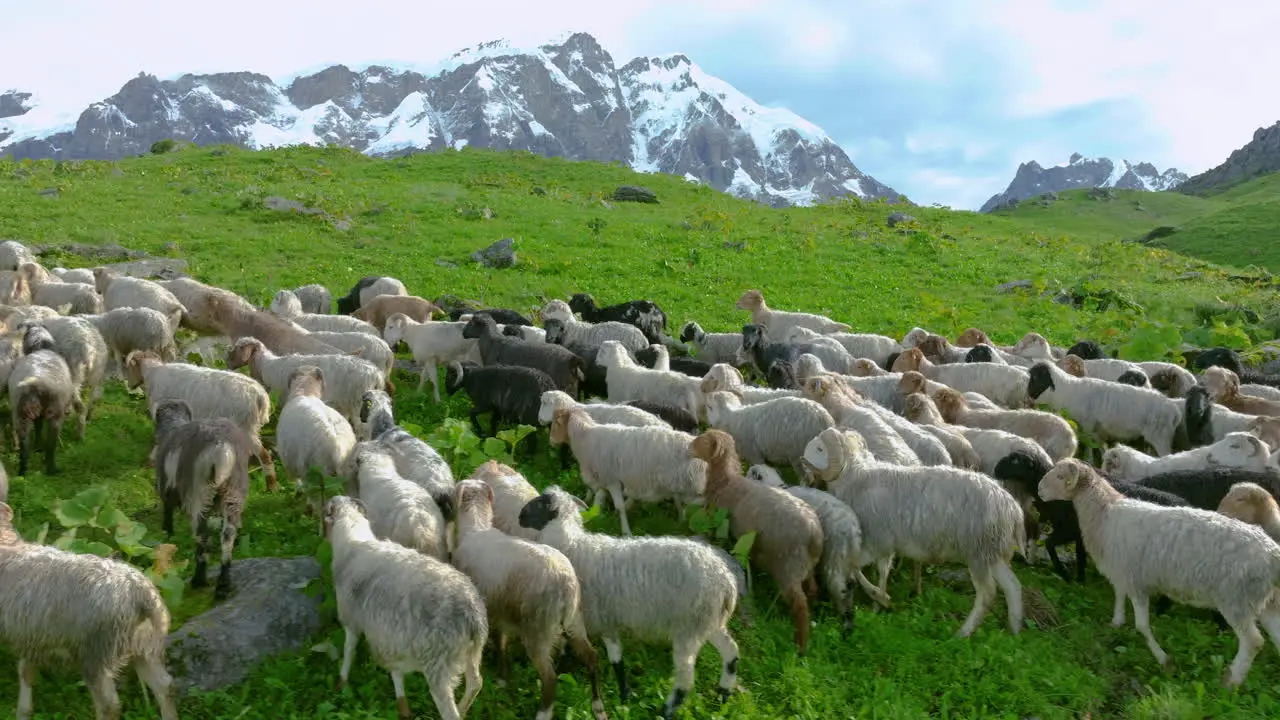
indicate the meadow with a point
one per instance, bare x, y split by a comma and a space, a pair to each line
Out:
418, 218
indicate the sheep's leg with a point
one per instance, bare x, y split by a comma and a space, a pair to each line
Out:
52, 430
106, 702
82, 415
685, 654
614, 649
564, 456
838, 586
475, 420
810, 586
1117, 615
615, 492
402, 701
152, 673
1270, 619
984, 586
504, 661
1142, 620
473, 683
883, 566
1031, 529
1082, 559
348, 656
268, 466
169, 506
26, 685
24, 446
799, 605
1251, 642
230, 526
540, 656
728, 650
1051, 549
200, 578
1012, 589
581, 647
917, 577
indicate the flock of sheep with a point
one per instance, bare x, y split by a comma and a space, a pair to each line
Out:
916, 448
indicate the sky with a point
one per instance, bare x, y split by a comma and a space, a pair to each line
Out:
940, 99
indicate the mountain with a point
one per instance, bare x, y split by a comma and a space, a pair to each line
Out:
566, 99
1082, 172
1261, 156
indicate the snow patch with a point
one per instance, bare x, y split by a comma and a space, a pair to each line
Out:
407, 127
42, 119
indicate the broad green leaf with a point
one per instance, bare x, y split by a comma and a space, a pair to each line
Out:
412, 429
92, 497
100, 549
64, 542
72, 513
324, 553
44, 533
742, 548
494, 448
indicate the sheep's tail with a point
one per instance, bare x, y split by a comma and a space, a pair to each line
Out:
1020, 535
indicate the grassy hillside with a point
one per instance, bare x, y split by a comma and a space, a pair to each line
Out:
418, 218
1238, 227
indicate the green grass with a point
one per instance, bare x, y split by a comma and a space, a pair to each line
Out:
694, 253
1238, 227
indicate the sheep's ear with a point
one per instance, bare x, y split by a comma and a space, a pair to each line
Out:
6, 515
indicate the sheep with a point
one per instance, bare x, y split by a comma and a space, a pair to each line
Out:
1230, 360
50, 291
418, 614
1265, 392
362, 345
333, 323
123, 291
778, 322
930, 514
127, 329
1237, 449
314, 299
629, 381
1172, 380
771, 431
58, 607
983, 353
1109, 410
841, 542
981, 449
882, 387
528, 333
510, 393
366, 289
431, 344
725, 377
1136, 378
1004, 385
643, 314
197, 299
760, 351
78, 341
1145, 549
74, 275
415, 460
564, 368
511, 492
876, 348
603, 413
678, 418
202, 464
1224, 387
1251, 503
346, 377
398, 509
1205, 487
657, 357
502, 316
209, 392
530, 590
872, 420
14, 289
649, 464
788, 535
12, 316
666, 589
711, 347
1051, 431
13, 254
42, 393
378, 309
1087, 350
1206, 422
594, 374
309, 433
561, 329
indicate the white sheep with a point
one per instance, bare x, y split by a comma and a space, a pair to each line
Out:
122, 291
1266, 392
1110, 411
661, 589
842, 402
723, 377
13, 254
530, 590
876, 348
362, 345
772, 431
929, 514
1199, 557
1109, 369
1172, 380
778, 322
432, 344
415, 460
206, 306
286, 306
563, 329
347, 378
418, 614
711, 347
51, 291
309, 433
85, 352
398, 509
1237, 449
991, 445
511, 492
602, 412
127, 329
649, 464
1004, 385
629, 381
1052, 432
315, 299
74, 275
382, 286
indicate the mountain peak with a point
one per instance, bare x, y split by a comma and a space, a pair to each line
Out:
1080, 171
1259, 156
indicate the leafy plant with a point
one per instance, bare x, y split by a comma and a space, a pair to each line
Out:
715, 526
161, 147
464, 450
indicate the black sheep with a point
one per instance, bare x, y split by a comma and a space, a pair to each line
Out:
979, 354
1136, 378
1197, 417
1229, 359
511, 393
350, 302
782, 375
501, 316
643, 314
1204, 488
1087, 350
565, 368
678, 418
679, 363
763, 352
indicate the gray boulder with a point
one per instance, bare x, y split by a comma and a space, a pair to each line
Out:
635, 193
896, 218
499, 255
269, 613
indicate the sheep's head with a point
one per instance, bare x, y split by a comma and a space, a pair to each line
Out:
753, 336
36, 337
1222, 384
1237, 445
1116, 461
170, 414
981, 353
782, 375
555, 330
474, 498
612, 355
817, 388
1136, 378
1167, 381
808, 365
558, 310
716, 448
560, 419
377, 411
305, 380
514, 331
909, 360
826, 455
765, 475
553, 504
934, 347
863, 367
722, 376
1251, 503
1219, 357
454, 373
244, 352
1073, 365
492, 470
1085, 349
102, 277
1041, 380
341, 507
690, 331
951, 403
582, 302
478, 325
1065, 480
971, 337
750, 301
918, 408
719, 404
34, 274
13, 291
912, 382
1266, 429
285, 304
134, 363
1033, 344
914, 337
798, 334
552, 400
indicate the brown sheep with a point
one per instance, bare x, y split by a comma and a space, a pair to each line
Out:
1251, 503
378, 309
1224, 388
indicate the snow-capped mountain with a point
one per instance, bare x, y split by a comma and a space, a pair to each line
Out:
1082, 172
564, 99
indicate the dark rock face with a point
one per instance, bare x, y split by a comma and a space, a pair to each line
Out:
1260, 156
14, 103
1032, 180
566, 100
499, 255
634, 193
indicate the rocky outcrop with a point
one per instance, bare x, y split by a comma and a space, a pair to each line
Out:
1261, 156
1080, 172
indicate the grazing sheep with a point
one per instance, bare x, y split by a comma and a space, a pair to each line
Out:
364, 346
202, 312
530, 590
123, 291
42, 393
417, 613
202, 465
1108, 369
1172, 380
782, 375
74, 275
315, 299
772, 431
64, 608
778, 322
649, 464
562, 329
11, 316
309, 433
13, 254
1230, 360
723, 377
929, 514
431, 344
938, 349
50, 291
510, 393
978, 449
1265, 392
346, 377
415, 460
563, 367
601, 412
1004, 385
1136, 378
1237, 449
876, 348
1051, 431
678, 418
711, 347
629, 381
760, 351
1087, 350
666, 589
1145, 549
879, 431
841, 542
378, 309
1205, 487
398, 509
282, 337
502, 316
82, 347
1108, 410
209, 392
657, 357
366, 289
1252, 503
511, 492
1224, 387
127, 329
788, 534
643, 314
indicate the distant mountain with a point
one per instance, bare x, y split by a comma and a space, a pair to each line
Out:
567, 99
1261, 156
1082, 172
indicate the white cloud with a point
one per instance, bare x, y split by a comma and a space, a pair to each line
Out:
961, 192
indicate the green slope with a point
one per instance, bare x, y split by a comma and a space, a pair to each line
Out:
419, 217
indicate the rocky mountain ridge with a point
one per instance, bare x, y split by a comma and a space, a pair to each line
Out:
1081, 172
1260, 156
565, 99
